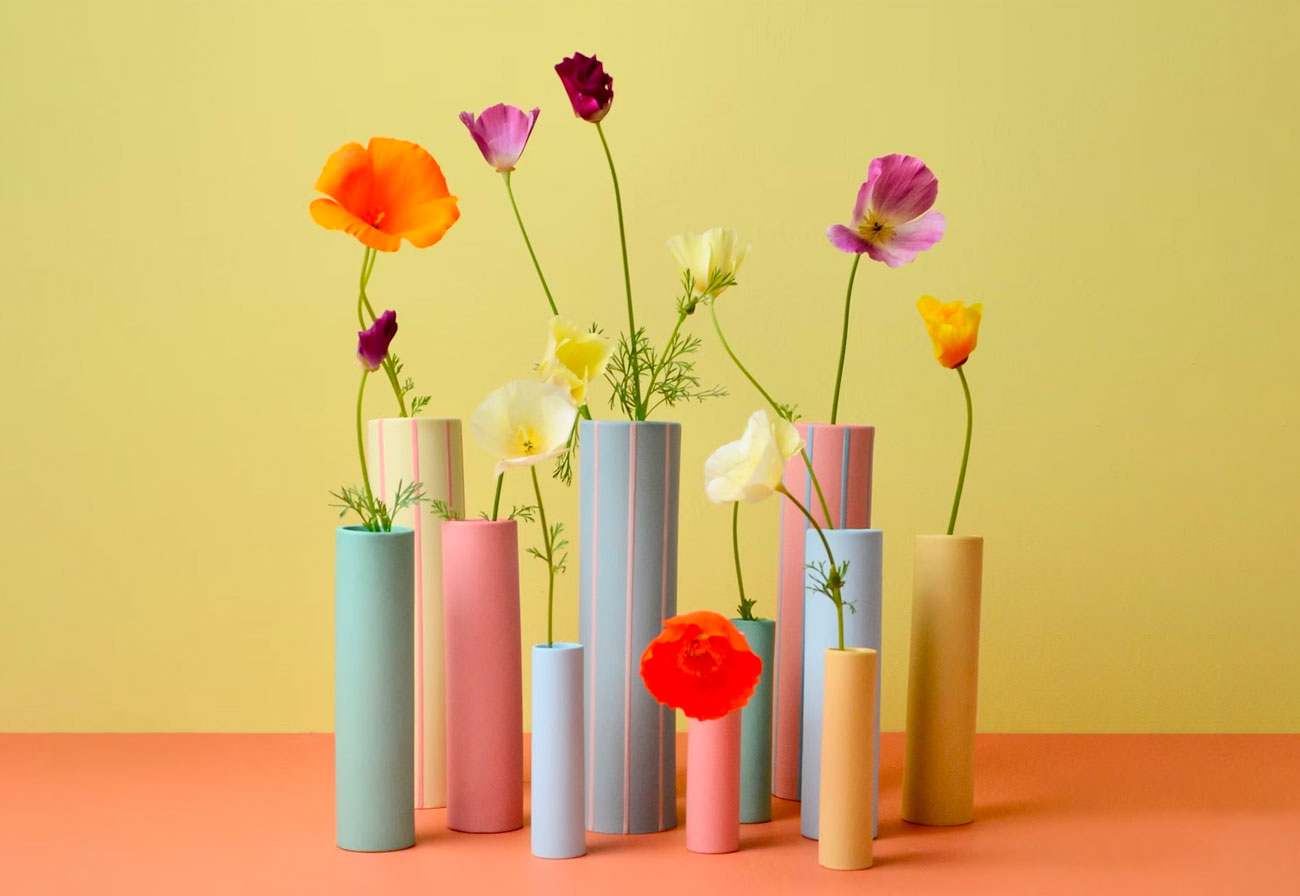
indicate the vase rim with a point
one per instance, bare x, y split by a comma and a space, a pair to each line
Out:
945, 537
560, 646
852, 426
362, 530
850, 531
649, 424
760, 619
854, 651
479, 521
420, 419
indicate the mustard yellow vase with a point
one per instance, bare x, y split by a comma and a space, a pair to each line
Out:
942, 680
846, 814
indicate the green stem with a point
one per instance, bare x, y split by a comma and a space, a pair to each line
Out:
844, 339
780, 411
658, 368
361, 452
550, 562
833, 576
496, 500
529, 243
735, 553
363, 302
627, 278
965, 453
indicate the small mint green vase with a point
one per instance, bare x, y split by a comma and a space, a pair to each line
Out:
756, 727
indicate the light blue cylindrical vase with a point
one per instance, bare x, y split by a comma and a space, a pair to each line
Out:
627, 489
862, 592
558, 819
756, 727
374, 719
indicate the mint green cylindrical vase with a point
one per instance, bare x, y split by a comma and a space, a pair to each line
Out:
374, 719
756, 727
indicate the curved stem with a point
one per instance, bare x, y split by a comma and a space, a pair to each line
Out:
658, 368
550, 562
844, 339
496, 500
363, 302
965, 453
735, 553
361, 452
833, 576
627, 277
780, 411
529, 243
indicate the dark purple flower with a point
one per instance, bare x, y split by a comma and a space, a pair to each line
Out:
590, 90
372, 344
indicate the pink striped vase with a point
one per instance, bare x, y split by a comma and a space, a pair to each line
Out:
841, 455
428, 451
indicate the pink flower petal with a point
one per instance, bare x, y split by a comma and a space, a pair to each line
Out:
905, 189
908, 239
501, 133
847, 240
864, 192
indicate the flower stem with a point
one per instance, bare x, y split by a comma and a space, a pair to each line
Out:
529, 243
496, 500
363, 302
550, 562
627, 279
832, 579
844, 339
735, 552
361, 453
965, 453
658, 368
781, 412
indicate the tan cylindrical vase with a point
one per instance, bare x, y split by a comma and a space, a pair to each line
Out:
942, 680
846, 815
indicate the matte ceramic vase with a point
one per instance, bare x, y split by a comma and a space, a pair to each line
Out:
842, 456
557, 820
862, 549
485, 708
756, 727
627, 490
847, 814
942, 680
713, 784
419, 449
373, 717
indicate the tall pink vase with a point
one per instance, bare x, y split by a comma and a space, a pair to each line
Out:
713, 785
841, 455
485, 715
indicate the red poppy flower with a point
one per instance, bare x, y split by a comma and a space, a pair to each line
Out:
701, 665
383, 193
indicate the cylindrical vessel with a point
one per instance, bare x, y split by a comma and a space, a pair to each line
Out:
862, 550
756, 727
841, 454
627, 489
942, 680
557, 819
372, 689
848, 755
485, 708
713, 784
403, 450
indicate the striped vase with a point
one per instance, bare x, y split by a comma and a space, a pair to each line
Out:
425, 450
628, 485
841, 455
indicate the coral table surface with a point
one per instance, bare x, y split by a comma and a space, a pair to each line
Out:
249, 814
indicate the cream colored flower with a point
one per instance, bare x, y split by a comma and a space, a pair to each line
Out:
750, 469
574, 357
716, 251
524, 423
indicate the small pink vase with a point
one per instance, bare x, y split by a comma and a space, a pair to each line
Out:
485, 716
713, 785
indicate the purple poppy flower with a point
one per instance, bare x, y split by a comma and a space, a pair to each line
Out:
892, 220
501, 133
590, 90
372, 344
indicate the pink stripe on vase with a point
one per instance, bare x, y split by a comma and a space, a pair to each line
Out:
419, 620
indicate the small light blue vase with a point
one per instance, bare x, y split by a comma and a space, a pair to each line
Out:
374, 728
756, 727
558, 791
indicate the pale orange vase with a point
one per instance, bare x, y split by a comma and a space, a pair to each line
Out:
942, 680
845, 820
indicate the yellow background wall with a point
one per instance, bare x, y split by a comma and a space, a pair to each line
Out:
1121, 187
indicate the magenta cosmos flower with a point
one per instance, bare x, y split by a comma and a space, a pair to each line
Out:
501, 133
892, 220
372, 344
591, 91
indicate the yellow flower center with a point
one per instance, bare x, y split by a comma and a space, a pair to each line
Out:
875, 231
527, 440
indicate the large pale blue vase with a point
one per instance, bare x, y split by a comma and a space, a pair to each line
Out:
756, 727
557, 817
374, 655
628, 484
862, 548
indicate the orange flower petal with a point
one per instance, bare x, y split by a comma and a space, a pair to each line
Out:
405, 176
702, 665
332, 216
424, 225
349, 178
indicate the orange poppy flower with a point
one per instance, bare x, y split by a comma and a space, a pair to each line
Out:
701, 665
383, 193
